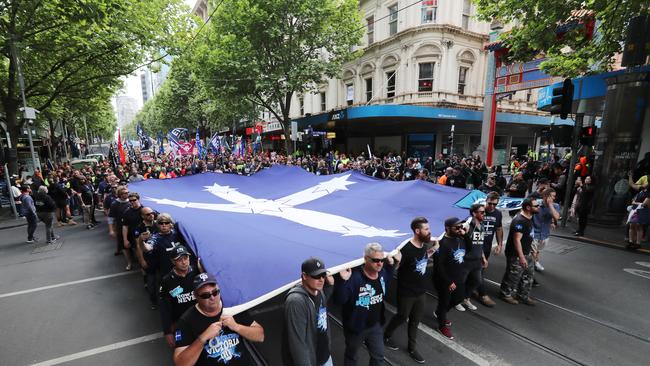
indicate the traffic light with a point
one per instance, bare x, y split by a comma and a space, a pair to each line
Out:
588, 135
562, 99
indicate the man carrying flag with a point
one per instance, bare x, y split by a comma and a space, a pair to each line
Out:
200, 151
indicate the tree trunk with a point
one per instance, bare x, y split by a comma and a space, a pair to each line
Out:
53, 141
13, 130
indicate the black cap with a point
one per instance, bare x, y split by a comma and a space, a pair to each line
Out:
313, 267
179, 251
452, 221
203, 279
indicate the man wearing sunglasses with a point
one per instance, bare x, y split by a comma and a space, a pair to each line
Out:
163, 243
448, 271
306, 336
492, 224
131, 219
204, 336
474, 259
412, 280
361, 294
518, 277
176, 292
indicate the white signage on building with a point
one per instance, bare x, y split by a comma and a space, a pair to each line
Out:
271, 126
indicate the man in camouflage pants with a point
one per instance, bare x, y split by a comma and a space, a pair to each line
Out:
518, 278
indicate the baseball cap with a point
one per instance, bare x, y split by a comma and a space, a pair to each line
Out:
203, 279
452, 221
179, 251
313, 267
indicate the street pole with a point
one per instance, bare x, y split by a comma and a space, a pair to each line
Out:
451, 138
6, 171
27, 115
580, 115
488, 126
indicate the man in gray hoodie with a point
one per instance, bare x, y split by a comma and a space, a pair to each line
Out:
306, 335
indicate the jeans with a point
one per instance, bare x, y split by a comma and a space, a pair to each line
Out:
411, 308
48, 220
517, 278
32, 222
473, 276
374, 339
447, 299
328, 362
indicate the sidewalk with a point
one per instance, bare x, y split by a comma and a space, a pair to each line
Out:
8, 220
610, 236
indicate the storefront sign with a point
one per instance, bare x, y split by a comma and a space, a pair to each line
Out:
271, 126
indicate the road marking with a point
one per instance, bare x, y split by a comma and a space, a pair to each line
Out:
98, 350
9, 294
448, 342
643, 264
638, 272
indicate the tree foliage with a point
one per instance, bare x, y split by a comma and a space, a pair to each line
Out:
73, 50
265, 51
537, 26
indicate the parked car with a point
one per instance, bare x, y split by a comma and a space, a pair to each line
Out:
99, 157
81, 163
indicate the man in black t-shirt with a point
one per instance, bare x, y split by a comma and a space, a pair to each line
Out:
148, 262
204, 336
456, 179
518, 277
412, 278
448, 271
115, 215
474, 259
131, 219
176, 292
493, 227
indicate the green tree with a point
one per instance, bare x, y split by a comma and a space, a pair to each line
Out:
537, 26
72, 49
265, 51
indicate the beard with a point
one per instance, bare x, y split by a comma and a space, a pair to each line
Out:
424, 238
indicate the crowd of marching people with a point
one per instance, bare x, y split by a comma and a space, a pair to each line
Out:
188, 299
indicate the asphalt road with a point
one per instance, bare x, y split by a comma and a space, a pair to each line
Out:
75, 305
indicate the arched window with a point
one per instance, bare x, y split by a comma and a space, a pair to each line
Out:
465, 62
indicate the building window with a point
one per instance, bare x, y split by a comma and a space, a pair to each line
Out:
392, 19
467, 8
429, 8
301, 103
462, 79
529, 95
349, 94
511, 95
368, 89
323, 102
371, 30
425, 77
390, 84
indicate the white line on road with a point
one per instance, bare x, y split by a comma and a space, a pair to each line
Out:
644, 264
9, 294
447, 342
98, 350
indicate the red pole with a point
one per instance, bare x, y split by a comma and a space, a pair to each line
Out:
493, 128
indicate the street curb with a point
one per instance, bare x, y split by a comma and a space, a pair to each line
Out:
583, 239
13, 226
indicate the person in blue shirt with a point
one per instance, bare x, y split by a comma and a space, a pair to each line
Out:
361, 293
543, 221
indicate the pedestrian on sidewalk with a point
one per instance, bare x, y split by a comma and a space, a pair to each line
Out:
29, 211
412, 279
45, 208
518, 276
639, 217
585, 196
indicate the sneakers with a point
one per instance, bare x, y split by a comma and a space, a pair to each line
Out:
528, 301
72, 222
388, 343
447, 322
416, 356
30, 241
539, 267
485, 300
535, 283
469, 305
509, 299
460, 307
445, 331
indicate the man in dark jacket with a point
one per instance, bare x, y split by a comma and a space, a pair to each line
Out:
448, 271
306, 336
45, 208
361, 294
29, 211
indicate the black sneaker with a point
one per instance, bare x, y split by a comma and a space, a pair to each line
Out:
535, 283
416, 356
388, 343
